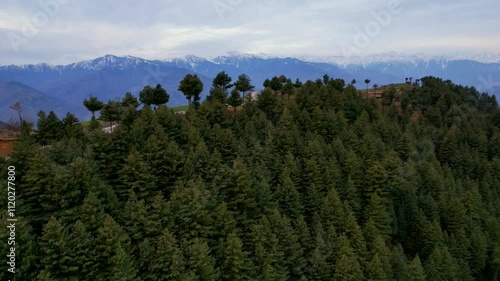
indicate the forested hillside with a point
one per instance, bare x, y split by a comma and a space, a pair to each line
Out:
311, 181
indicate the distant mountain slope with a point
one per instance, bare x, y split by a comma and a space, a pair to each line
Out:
107, 77
110, 77
259, 68
34, 100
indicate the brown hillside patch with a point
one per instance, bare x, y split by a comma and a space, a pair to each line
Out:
416, 115
7, 143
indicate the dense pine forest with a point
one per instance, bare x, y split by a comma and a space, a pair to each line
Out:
306, 181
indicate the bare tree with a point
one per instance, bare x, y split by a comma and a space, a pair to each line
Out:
17, 106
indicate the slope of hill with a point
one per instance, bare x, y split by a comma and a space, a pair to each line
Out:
324, 185
34, 100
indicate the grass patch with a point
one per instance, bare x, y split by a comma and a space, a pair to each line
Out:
399, 86
180, 108
85, 124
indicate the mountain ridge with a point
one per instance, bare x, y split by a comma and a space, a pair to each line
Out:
337, 60
111, 76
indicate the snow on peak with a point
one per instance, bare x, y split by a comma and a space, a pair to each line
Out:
108, 61
235, 57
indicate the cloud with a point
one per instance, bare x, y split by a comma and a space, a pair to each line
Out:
160, 29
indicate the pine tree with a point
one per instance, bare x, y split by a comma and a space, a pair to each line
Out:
191, 86
332, 241
375, 181
441, 265
234, 99
288, 243
375, 270
146, 258
304, 235
350, 194
122, 266
71, 127
110, 237
91, 212
165, 159
347, 269
130, 115
71, 184
464, 273
312, 199
154, 96
168, 262
222, 80
50, 128
478, 250
288, 197
496, 260
267, 257
459, 245
379, 249
332, 212
355, 236
399, 264
130, 100
347, 266
200, 262
268, 103
318, 268
236, 264
416, 271
190, 211
136, 220
376, 211
111, 112
136, 177
93, 104
56, 258
39, 179
239, 194
430, 235
370, 232
27, 253
243, 84
224, 225
82, 245
403, 147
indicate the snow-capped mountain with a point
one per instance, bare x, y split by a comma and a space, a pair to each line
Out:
110, 76
399, 58
110, 62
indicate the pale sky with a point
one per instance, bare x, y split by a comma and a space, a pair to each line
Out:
66, 31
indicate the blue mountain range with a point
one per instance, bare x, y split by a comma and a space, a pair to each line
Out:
62, 88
